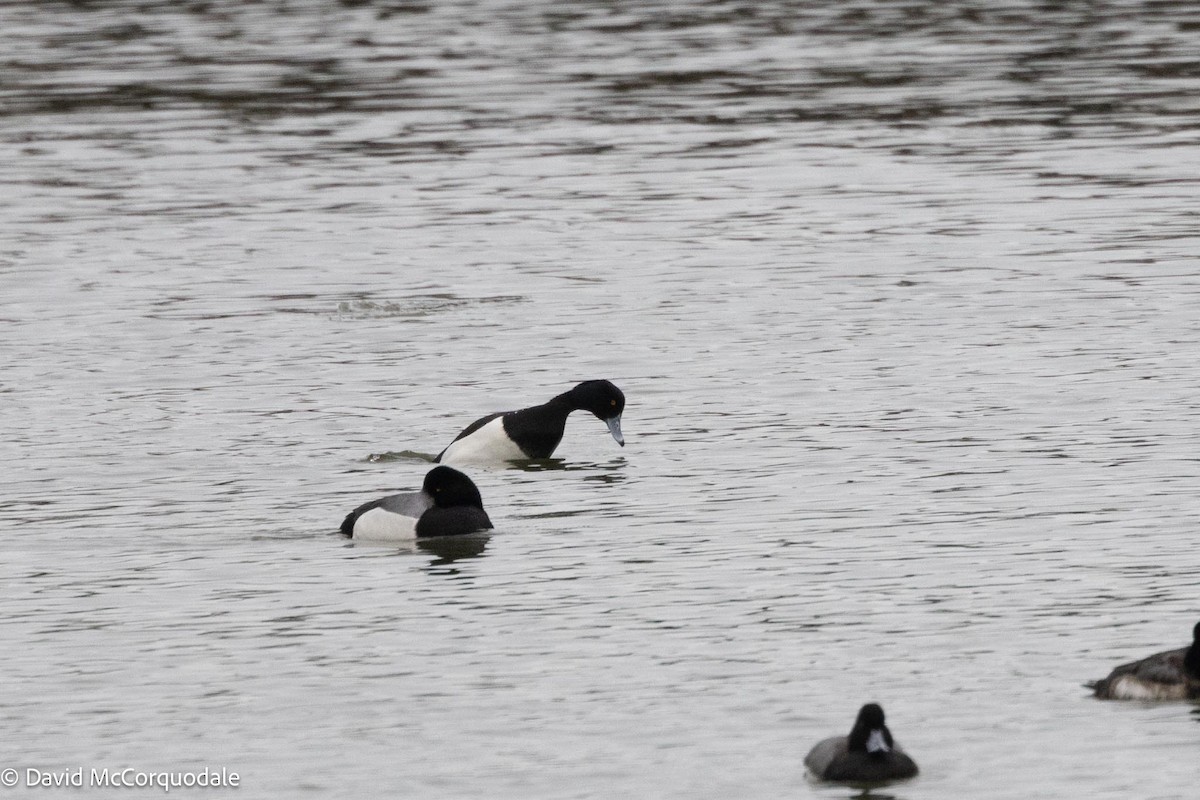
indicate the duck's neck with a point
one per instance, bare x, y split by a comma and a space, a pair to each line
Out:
1191, 660
566, 401
539, 429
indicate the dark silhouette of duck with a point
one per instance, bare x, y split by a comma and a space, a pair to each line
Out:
1169, 675
868, 755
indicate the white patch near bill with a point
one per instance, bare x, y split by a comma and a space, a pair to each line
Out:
876, 743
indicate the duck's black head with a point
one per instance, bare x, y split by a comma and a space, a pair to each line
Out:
869, 734
449, 488
603, 399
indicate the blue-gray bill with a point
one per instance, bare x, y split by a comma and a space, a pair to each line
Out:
614, 427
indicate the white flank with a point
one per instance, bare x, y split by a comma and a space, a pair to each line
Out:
1127, 687
378, 525
488, 445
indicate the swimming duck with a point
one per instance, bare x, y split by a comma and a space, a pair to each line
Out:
448, 503
535, 432
867, 755
1170, 675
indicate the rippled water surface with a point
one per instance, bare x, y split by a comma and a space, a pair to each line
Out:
903, 297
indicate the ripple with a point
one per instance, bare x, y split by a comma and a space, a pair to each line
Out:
416, 307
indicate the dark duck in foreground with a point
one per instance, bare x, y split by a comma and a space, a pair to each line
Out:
536, 431
447, 505
867, 755
1170, 675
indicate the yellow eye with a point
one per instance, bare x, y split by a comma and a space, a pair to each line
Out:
612, 402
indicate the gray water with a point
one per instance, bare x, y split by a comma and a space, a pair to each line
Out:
903, 298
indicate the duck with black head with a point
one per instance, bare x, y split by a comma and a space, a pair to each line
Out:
448, 504
868, 755
1169, 675
535, 432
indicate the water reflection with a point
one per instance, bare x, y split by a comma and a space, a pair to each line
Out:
872, 794
449, 549
833, 789
612, 467
610, 471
